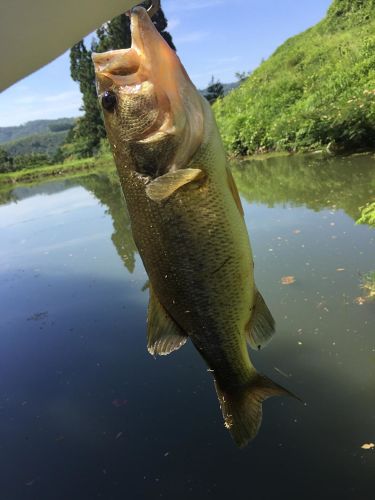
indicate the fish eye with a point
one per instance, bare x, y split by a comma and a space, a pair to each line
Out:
109, 101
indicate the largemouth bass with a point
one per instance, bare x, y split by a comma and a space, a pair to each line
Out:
187, 220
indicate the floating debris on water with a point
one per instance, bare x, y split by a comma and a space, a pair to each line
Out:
38, 316
288, 280
368, 446
281, 372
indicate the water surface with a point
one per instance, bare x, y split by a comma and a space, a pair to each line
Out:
86, 412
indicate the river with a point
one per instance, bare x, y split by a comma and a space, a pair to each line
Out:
87, 413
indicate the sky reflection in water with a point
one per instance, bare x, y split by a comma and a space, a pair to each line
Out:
87, 413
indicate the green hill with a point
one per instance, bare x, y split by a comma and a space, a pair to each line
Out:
37, 143
317, 89
35, 127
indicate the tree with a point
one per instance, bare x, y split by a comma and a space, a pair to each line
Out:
242, 75
214, 90
89, 129
6, 161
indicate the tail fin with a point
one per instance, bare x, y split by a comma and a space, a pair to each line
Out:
242, 407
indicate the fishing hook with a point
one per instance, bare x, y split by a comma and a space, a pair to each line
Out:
154, 7
151, 10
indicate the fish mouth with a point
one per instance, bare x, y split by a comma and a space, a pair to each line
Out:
138, 70
151, 65
139, 63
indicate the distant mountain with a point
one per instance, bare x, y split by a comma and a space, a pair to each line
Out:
37, 143
35, 127
227, 88
37, 136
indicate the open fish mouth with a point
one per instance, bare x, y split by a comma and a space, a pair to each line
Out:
139, 71
155, 96
123, 67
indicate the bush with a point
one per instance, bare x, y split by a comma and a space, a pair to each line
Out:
317, 89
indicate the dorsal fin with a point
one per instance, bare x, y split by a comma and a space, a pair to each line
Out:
261, 325
163, 334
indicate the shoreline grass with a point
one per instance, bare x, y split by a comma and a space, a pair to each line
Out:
79, 167
59, 170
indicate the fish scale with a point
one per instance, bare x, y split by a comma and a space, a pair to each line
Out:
187, 221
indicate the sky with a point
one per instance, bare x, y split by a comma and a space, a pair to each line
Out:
213, 38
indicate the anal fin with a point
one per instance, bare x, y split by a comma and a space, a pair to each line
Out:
261, 326
163, 334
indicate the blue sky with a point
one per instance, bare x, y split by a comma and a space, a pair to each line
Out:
213, 37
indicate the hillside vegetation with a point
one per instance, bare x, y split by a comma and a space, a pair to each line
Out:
37, 143
34, 127
32, 144
317, 89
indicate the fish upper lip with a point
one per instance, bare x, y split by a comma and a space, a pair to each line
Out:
124, 66
136, 18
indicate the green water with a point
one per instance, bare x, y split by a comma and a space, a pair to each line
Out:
86, 412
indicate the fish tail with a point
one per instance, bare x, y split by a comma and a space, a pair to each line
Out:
242, 406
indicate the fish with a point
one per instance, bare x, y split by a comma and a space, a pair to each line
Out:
187, 221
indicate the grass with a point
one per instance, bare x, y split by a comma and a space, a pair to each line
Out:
316, 91
59, 170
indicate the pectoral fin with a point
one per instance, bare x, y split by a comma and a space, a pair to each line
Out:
234, 191
261, 326
163, 334
163, 187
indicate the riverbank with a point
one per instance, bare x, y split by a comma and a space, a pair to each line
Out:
316, 91
59, 170
78, 167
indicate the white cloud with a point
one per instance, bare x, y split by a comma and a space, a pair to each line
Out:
22, 108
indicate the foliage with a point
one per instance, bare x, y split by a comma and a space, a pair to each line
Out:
6, 161
317, 89
314, 181
34, 127
44, 171
39, 143
368, 286
214, 91
89, 130
242, 75
367, 214
346, 13
61, 125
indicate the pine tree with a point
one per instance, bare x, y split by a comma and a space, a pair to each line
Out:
115, 34
214, 90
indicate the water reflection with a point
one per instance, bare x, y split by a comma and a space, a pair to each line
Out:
316, 183
105, 186
73, 380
